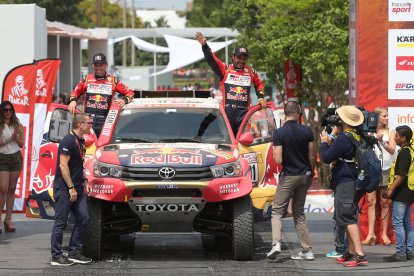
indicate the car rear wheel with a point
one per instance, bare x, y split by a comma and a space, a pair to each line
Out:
242, 232
94, 241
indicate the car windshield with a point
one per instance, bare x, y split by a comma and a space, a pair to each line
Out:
171, 125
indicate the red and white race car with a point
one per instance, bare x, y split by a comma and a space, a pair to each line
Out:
169, 162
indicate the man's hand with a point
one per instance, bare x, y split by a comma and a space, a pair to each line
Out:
120, 103
262, 102
72, 107
73, 195
88, 189
388, 194
324, 137
200, 37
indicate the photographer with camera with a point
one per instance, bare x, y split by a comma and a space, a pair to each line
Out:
342, 153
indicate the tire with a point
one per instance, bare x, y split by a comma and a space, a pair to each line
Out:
94, 241
242, 232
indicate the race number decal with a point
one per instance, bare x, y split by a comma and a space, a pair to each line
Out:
252, 160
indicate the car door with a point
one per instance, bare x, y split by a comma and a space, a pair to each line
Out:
259, 124
40, 203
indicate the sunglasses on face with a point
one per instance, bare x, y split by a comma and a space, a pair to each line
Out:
7, 110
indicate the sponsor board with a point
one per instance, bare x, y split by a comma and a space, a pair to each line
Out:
398, 116
401, 10
400, 64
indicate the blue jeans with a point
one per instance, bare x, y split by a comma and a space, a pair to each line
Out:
341, 242
403, 228
79, 209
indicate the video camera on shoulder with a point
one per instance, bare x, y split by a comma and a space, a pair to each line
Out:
330, 119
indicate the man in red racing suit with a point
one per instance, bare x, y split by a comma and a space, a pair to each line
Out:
236, 80
100, 88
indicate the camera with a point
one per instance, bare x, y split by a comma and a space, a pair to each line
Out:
330, 119
369, 126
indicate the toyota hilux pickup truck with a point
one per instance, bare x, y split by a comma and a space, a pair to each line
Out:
169, 162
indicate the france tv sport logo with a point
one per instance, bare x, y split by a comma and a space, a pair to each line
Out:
405, 62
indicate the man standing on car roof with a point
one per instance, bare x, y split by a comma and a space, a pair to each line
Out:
99, 89
236, 80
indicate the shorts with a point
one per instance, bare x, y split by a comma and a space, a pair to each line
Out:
385, 178
11, 162
346, 204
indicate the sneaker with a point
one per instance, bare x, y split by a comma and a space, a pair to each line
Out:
357, 260
80, 259
303, 256
396, 257
62, 261
410, 256
333, 254
276, 250
346, 257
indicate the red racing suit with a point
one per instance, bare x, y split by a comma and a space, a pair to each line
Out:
98, 96
235, 85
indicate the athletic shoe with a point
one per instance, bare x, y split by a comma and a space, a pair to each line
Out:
62, 261
80, 259
357, 260
396, 257
344, 258
303, 256
333, 254
276, 250
410, 256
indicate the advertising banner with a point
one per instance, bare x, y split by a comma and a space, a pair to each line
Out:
19, 88
398, 116
401, 10
292, 73
46, 73
401, 64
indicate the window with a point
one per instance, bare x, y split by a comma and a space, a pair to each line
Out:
60, 124
262, 125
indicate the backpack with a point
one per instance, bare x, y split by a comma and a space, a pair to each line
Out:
368, 166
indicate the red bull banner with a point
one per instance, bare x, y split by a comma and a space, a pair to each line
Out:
30, 88
46, 74
19, 88
292, 73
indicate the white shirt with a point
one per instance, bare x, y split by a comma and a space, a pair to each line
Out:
11, 147
386, 158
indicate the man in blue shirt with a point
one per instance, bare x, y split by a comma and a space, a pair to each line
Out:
293, 148
69, 195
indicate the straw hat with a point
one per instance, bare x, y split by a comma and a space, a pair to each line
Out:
350, 115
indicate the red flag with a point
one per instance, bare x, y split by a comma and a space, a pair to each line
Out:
293, 75
45, 83
19, 88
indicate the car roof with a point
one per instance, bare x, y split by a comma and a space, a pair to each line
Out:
173, 102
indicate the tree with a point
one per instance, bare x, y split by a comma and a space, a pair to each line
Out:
161, 22
208, 13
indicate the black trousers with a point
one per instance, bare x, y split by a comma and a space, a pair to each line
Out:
236, 116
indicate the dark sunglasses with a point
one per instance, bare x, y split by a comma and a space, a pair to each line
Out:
7, 110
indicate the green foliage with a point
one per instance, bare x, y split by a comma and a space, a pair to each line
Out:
208, 13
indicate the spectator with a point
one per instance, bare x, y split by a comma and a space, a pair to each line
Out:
343, 151
402, 196
69, 195
11, 140
293, 148
385, 152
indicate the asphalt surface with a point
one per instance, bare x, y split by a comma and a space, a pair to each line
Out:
28, 252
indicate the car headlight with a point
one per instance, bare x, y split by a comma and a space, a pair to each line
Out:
103, 169
227, 170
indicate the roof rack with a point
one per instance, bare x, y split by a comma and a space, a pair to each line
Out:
173, 94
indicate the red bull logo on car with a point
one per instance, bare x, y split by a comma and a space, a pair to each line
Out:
166, 159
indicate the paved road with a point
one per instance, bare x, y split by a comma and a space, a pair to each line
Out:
28, 251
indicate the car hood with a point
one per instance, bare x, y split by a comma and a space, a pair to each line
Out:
167, 154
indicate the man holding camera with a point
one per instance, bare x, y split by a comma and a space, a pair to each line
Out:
293, 148
342, 151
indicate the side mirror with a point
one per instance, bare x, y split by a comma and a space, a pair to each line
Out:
89, 139
246, 139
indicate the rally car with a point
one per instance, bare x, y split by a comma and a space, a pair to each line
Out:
168, 162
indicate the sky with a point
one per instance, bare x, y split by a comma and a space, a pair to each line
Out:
160, 4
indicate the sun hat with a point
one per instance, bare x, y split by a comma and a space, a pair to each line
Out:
350, 115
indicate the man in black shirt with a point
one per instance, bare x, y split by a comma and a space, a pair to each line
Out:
293, 148
402, 197
69, 195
